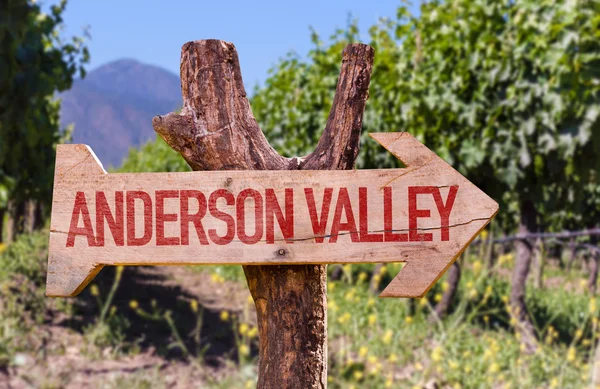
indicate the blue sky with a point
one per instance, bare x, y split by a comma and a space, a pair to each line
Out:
153, 31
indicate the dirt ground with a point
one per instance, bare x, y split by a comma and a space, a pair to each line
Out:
64, 361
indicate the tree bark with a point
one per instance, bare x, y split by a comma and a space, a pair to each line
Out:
539, 260
572, 254
15, 225
593, 265
216, 130
2, 213
527, 224
454, 273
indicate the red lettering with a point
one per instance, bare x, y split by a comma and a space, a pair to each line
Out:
414, 213
115, 223
318, 224
130, 200
227, 218
241, 216
343, 205
445, 210
364, 219
162, 217
195, 218
389, 235
273, 210
80, 207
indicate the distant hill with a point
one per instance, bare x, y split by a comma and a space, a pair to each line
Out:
112, 108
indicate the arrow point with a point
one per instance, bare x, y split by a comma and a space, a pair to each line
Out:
405, 147
415, 279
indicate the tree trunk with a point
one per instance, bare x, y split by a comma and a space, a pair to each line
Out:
593, 277
572, 254
524, 326
15, 225
539, 259
441, 309
217, 131
2, 213
593, 265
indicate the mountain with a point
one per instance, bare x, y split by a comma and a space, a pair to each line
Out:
112, 108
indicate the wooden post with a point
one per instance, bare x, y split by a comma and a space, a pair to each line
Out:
216, 130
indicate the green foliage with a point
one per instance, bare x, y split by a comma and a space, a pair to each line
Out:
22, 306
154, 156
508, 92
36, 63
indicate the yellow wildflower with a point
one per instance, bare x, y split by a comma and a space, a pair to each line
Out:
418, 366
436, 354
571, 354
253, 332
344, 318
194, 305
494, 368
388, 383
224, 315
483, 234
437, 297
331, 286
133, 304
243, 329
554, 383
249, 384
477, 265
370, 302
94, 290
592, 305
358, 375
383, 270
393, 358
473, 293
387, 337
408, 319
244, 350
362, 352
362, 276
372, 319
372, 359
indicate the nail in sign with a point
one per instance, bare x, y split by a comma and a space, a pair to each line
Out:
424, 215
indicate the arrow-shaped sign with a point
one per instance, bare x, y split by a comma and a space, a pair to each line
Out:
424, 215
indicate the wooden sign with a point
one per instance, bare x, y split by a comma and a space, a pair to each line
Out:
424, 215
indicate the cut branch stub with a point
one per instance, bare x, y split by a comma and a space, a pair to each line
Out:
216, 130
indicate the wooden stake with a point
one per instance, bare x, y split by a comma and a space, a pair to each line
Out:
216, 130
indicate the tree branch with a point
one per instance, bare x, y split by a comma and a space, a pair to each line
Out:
339, 144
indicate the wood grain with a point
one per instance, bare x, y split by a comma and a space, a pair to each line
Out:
78, 171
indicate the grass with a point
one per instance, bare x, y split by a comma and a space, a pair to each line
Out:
373, 343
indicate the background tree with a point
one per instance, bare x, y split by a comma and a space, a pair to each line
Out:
35, 64
505, 91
